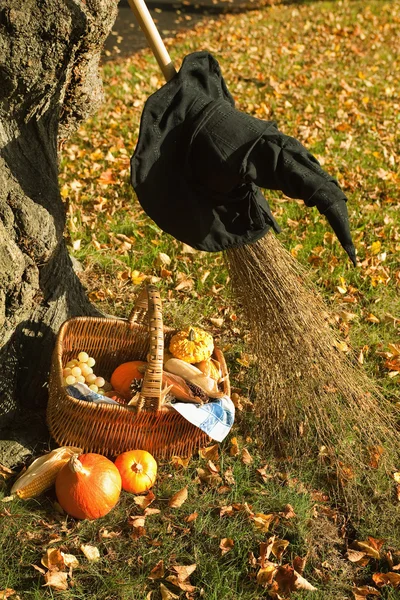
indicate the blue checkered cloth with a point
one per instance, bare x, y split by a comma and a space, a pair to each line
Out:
215, 418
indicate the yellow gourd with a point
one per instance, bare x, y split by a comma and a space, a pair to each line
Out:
192, 345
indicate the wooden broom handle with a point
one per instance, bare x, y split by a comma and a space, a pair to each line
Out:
153, 37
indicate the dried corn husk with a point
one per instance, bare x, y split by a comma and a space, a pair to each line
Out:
193, 375
42, 473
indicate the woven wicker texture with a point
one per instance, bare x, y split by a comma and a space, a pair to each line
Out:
110, 429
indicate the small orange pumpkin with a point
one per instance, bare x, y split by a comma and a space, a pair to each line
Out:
138, 470
123, 376
88, 486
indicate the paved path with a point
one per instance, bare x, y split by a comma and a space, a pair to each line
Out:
170, 17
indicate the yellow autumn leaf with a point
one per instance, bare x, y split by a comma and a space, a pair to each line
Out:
375, 247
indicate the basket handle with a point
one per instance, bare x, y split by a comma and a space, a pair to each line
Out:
149, 304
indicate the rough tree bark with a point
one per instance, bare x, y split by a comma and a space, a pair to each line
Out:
49, 84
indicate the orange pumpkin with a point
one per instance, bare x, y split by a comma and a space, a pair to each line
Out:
88, 486
138, 470
123, 376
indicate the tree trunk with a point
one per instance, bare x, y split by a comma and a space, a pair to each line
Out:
49, 84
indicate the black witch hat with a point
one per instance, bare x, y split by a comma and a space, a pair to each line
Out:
199, 165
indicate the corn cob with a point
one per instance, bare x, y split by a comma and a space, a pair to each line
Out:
42, 473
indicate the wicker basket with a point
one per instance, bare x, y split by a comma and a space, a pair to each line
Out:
111, 429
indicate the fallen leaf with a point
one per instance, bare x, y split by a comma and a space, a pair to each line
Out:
166, 594
262, 521
246, 457
57, 580
53, 559
357, 557
289, 580
91, 552
381, 579
192, 517
179, 498
137, 523
265, 575
70, 561
226, 544
209, 453
228, 476
144, 501
360, 593
234, 449
288, 512
278, 548
151, 511
4, 594
180, 463
299, 564
6, 472
158, 571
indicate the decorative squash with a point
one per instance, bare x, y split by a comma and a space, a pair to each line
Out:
211, 368
192, 345
125, 374
138, 470
88, 486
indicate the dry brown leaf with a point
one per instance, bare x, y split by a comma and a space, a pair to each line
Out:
5, 473
381, 579
265, 551
226, 544
299, 564
70, 561
166, 594
234, 449
180, 463
288, 512
228, 476
184, 585
289, 580
208, 477
151, 511
104, 533
360, 593
278, 548
144, 501
210, 453
53, 559
91, 552
375, 454
57, 580
371, 546
4, 594
246, 457
262, 521
179, 498
138, 525
183, 572
357, 557
180, 577
265, 575
192, 517
263, 474
158, 571
224, 489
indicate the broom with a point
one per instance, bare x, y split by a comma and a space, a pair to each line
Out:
312, 401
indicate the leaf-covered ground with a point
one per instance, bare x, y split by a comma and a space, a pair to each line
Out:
328, 73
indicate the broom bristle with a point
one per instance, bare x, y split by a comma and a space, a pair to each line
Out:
311, 399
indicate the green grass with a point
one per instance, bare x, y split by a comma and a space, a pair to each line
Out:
327, 72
